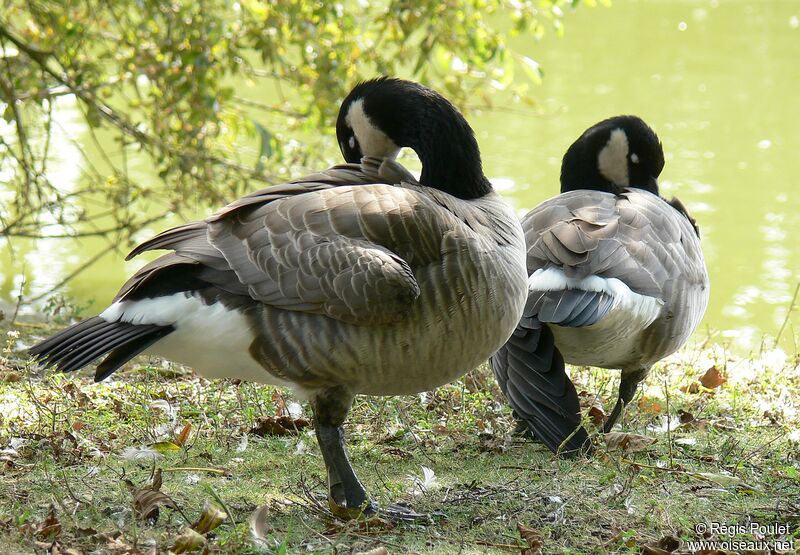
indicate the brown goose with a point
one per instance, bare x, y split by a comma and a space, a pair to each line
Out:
355, 280
617, 280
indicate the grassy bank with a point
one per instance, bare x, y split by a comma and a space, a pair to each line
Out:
79, 460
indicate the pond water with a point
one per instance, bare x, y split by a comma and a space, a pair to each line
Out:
718, 81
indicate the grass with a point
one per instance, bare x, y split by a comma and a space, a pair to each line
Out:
71, 482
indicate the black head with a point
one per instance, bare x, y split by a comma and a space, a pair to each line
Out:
618, 152
380, 116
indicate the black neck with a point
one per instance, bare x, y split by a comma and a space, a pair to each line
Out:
579, 171
446, 146
445, 167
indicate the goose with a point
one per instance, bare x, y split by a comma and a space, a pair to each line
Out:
617, 280
357, 280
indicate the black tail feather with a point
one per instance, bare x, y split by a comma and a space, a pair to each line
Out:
123, 354
530, 371
60, 338
85, 342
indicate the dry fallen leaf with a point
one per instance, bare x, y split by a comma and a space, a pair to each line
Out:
686, 417
51, 527
377, 551
211, 517
650, 405
669, 543
596, 412
628, 442
713, 378
373, 526
183, 435
279, 426
653, 550
55, 548
693, 387
532, 538
188, 541
147, 499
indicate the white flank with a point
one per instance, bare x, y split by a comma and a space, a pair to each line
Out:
210, 338
641, 308
613, 159
614, 339
372, 140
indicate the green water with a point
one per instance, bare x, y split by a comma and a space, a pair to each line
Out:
719, 81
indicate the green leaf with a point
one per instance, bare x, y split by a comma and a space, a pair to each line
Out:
165, 447
532, 70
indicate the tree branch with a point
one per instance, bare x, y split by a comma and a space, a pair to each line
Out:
41, 58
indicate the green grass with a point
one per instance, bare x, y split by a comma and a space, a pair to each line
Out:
737, 460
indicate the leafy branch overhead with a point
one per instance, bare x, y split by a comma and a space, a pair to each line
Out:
210, 96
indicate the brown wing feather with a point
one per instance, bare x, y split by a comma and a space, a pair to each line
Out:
347, 252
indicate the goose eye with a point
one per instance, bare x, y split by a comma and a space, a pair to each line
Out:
352, 141
634, 158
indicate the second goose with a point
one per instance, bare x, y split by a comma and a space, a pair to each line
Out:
617, 280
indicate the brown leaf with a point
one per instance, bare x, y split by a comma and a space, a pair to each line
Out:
653, 550
628, 442
669, 543
147, 499
693, 387
377, 551
9, 376
184, 435
495, 443
51, 527
372, 526
211, 517
596, 412
532, 537
187, 541
55, 548
686, 417
280, 403
713, 378
650, 405
85, 532
279, 426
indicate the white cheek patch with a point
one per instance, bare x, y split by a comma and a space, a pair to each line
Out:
372, 140
613, 159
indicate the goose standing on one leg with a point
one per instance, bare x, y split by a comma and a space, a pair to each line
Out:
617, 280
347, 282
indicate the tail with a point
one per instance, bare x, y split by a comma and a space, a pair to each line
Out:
530, 371
82, 343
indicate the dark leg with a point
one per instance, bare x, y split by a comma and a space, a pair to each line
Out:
627, 389
346, 495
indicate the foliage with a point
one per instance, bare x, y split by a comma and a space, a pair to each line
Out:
160, 83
